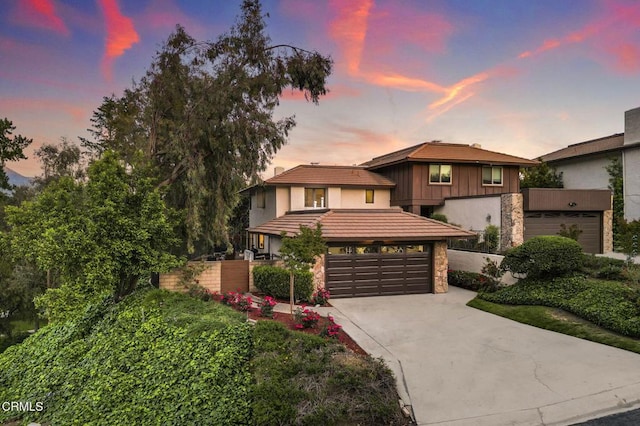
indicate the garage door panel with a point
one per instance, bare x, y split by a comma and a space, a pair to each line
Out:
549, 223
375, 274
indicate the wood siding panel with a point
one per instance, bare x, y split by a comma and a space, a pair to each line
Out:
541, 199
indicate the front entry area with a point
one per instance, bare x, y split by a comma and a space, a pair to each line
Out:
377, 270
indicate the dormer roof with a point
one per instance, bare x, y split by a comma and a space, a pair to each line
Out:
447, 152
343, 176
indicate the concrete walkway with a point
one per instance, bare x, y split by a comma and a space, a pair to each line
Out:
460, 366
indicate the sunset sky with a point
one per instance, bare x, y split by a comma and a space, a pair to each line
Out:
517, 76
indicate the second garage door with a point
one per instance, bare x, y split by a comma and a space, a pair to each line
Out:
549, 223
355, 271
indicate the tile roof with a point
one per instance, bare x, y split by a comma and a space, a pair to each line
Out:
595, 146
449, 152
365, 224
310, 174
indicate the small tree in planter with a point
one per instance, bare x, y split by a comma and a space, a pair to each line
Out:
299, 252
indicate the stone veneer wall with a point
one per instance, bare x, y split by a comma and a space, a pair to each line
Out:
440, 266
512, 227
318, 273
607, 231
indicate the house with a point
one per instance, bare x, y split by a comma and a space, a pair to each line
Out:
473, 187
373, 248
583, 165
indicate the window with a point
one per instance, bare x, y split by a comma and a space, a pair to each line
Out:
315, 197
440, 173
492, 175
260, 241
368, 196
260, 198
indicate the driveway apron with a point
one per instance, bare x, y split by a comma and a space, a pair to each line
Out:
456, 365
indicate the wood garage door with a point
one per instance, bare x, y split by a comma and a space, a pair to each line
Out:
548, 223
378, 273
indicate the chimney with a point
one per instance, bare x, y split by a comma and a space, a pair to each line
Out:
278, 170
632, 126
476, 145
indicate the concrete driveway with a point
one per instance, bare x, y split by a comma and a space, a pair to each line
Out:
457, 365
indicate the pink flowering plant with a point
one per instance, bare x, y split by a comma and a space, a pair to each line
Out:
332, 329
237, 301
305, 318
266, 306
320, 297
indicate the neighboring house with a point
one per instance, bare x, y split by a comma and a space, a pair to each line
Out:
583, 165
472, 186
373, 249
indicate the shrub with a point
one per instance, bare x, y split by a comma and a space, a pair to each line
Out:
237, 301
492, 269
320, 297
491, 238
305, 318
301, 379
274, 281
200, 292
332, 328
544, 256
472, 281
439, 217
266, 306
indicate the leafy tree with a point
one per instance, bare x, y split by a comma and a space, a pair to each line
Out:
201, 120
11, 149
541, 176
616, 185
299, 252
60, 160
101, 237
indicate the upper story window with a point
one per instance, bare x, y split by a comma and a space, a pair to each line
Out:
368, 196
492, 175
315, 197
440, 173
260, 198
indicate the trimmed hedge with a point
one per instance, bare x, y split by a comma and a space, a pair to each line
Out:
274, 281
608, 304
544, 256
472, 281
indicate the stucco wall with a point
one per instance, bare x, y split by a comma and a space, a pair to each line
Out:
472, 213
586, 173
355, 199
334, 198
631, 163
258, 215
473, 262
297, 198
282, 200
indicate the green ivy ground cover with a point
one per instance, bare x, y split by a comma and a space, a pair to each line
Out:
166, 358
155, 358
609, 304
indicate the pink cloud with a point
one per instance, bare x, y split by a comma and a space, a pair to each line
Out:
40, 14
335, 91
349, 30
121, 34
611, 35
